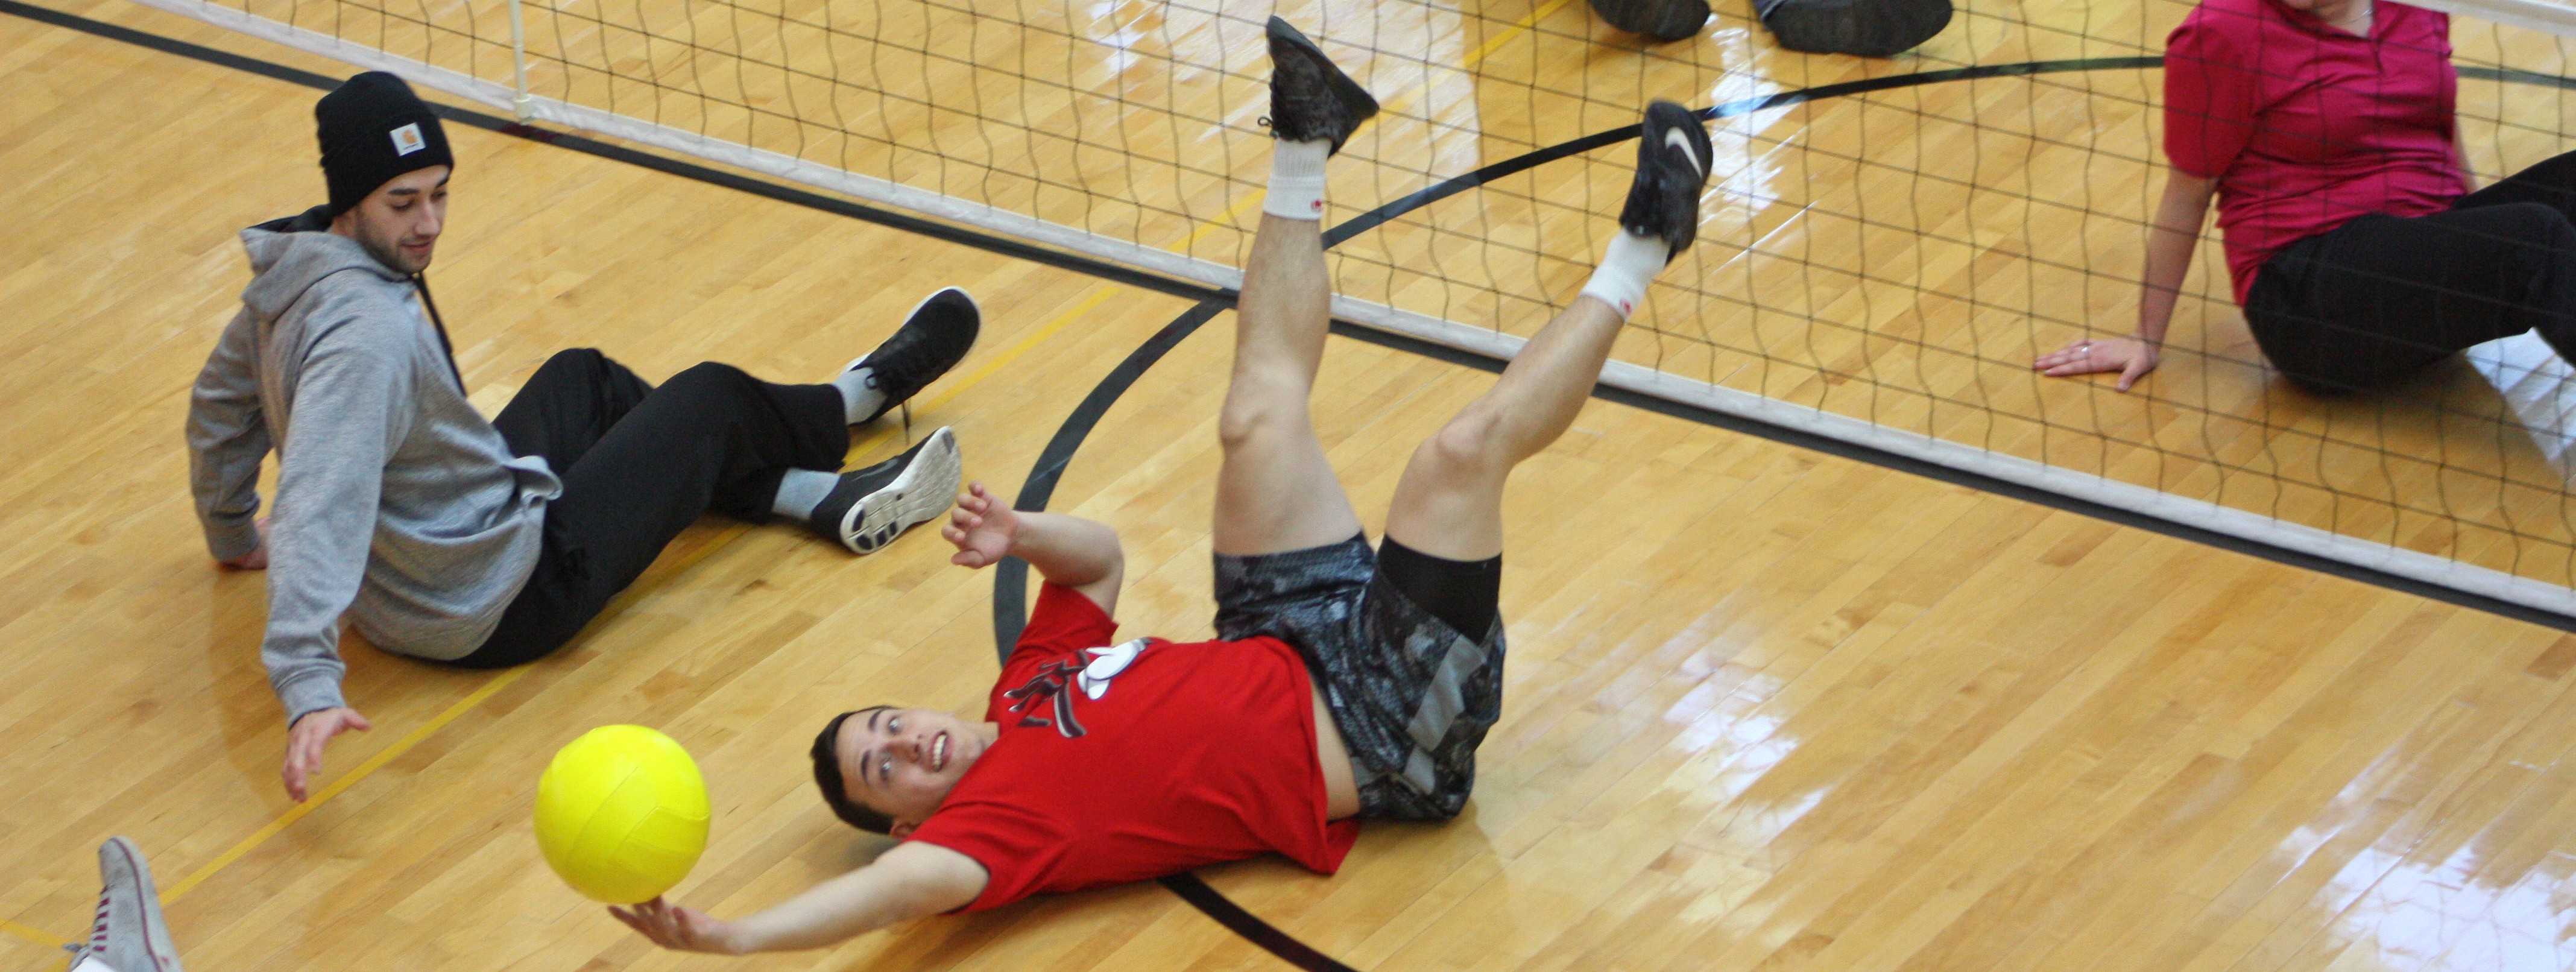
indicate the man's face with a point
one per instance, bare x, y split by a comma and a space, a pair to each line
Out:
903, 762
399, 223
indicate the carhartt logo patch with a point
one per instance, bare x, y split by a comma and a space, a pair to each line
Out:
407, 139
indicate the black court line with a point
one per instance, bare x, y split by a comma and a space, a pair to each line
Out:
1521, 163
1249, 925
1010, 577
1010, 580
493, 123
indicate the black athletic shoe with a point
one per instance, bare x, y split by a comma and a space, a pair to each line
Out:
934, 337
1672, 169
1663, 20
1309, 97
872, 506
1869, 28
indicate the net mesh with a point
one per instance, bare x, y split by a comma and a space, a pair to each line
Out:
1897, 256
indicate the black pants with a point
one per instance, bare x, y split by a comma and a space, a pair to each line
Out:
639, 464
2382, 295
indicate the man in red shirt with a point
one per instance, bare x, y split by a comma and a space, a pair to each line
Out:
1349, 682
2326, 130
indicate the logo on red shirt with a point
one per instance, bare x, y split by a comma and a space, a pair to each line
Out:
1049, 683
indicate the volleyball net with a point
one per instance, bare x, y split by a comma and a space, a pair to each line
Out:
1886, 247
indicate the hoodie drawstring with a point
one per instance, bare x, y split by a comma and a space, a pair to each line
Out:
420, 281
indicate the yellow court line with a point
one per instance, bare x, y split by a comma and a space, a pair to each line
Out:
1396, 106
374, 763
31, 934
1519, 27
986, 370
994, 366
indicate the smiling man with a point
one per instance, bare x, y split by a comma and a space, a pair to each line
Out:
480, 543
1349, 683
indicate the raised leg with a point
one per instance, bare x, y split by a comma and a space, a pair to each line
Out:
1276, 492
1450, 502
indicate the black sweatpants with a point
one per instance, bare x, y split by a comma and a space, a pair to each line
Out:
2381, 296
639, 464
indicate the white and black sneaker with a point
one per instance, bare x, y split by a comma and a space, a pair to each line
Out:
934, 337
872, 506
129, 935
1672, 170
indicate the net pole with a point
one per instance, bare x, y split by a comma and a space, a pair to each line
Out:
519, 102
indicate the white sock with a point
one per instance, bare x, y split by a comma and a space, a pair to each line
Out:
1630, 262
859, 398
801, 490
1297, 179
92, 963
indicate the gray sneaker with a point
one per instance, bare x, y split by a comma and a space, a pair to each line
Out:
129, 935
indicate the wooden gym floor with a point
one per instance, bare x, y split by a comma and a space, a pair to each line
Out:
1768, 709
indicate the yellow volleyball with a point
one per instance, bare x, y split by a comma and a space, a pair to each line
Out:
622, 814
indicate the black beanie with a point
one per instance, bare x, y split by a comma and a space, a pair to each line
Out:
373, 129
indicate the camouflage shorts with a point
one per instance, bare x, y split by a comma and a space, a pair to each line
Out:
1412, 696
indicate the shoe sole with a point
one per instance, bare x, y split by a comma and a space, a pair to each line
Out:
121, 853
923, 490
1362, 105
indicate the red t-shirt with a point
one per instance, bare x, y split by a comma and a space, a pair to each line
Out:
2306, 126
1188, 755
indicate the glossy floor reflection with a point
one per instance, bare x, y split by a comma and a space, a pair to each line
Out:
1767, 709
1896, 256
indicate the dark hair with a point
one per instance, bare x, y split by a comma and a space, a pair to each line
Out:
827, 774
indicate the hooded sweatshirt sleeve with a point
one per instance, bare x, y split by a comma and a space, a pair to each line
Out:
353, 407
227, 439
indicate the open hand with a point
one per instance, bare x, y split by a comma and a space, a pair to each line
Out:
2129, 356
982, 527
674, 927
257, 558
304, 742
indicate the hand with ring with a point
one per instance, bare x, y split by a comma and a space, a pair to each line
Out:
2129, 356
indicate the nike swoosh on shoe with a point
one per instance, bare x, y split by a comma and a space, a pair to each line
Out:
1675, 138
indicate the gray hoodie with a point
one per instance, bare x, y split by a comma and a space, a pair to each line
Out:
397, 502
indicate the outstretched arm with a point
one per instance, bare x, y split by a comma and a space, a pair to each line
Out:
913, 880
2177, 232
1069, 550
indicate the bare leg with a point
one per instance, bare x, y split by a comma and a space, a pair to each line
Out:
1276, 491
1450, 502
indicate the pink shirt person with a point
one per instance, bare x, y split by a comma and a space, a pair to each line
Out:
2306, 126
